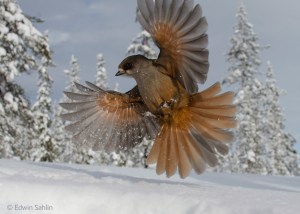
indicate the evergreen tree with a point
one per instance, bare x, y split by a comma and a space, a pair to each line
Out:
248, 154
67, 149
60, 137
72, 74
43, 148
262, 146
244, 54
21, 48
280, 146
101, 76
143, 45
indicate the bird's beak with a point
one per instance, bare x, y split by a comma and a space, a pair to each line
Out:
120, 72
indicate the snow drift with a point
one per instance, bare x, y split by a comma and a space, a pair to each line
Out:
44, 188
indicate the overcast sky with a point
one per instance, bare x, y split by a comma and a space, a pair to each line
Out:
88, 27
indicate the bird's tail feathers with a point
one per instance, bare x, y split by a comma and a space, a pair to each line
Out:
195, 134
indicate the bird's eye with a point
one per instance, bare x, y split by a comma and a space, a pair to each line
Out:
127, 66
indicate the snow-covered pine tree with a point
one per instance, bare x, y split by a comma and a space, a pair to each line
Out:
280, 146
143, 45
101, 76
72, 74
248, 153
21, 48
60, 137
244, 54
67, 149
43, 145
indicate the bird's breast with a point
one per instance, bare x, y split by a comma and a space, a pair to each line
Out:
158, 91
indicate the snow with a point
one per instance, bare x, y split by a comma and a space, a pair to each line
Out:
64, 188
3, 29
12, 37
2, 52
9, 98
11, 7
24, 29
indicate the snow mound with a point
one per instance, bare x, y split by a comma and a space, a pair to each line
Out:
44, 188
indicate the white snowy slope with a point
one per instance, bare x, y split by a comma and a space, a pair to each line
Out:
43, 188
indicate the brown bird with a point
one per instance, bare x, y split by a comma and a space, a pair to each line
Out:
189, 128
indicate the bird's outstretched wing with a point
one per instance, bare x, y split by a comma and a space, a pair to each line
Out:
107, 119
179, 30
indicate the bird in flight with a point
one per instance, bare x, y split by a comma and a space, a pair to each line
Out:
189, 128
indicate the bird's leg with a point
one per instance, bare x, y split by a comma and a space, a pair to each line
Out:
165, 109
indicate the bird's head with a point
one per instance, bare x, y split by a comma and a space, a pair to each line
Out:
132, 65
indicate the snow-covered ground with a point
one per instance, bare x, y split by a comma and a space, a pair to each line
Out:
43, 188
